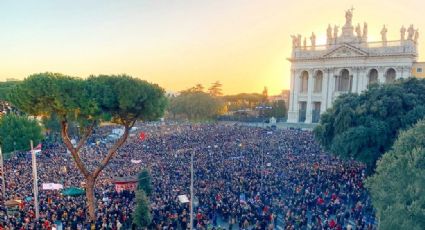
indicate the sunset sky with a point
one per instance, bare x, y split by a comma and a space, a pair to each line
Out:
241, 43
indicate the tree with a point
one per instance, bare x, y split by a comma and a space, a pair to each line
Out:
145, 183
365, 126
195, 105
278, 109
215, 89
118, 98
242, 101
17, 131
141, 215
5, 90
398, 186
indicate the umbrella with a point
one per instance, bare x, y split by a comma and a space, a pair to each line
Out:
11, 203
73, 191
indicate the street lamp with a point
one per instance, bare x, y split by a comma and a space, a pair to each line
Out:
191, 189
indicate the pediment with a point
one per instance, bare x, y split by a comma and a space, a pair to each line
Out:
346, 51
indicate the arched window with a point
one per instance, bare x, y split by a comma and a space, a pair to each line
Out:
343, 81
373, 76
390, 75
318, 82
304, 82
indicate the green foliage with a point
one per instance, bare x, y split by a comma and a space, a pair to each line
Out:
243, 101
118, 98
52, 124
398, 186
195, 105
215, 89
141, 215
365, 126
6, 88
278, 109
17, 131
145, 183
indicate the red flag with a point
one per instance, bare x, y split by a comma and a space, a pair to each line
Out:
38, 147
142, 136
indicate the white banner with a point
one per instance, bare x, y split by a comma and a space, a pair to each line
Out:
136, 161
51, 186
183, 199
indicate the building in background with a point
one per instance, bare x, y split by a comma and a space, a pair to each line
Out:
348, 62
418, 70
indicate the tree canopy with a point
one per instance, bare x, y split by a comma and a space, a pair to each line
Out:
145, 182
195, 105
398, 186
365, 126
17, 131
142, 215
118, 98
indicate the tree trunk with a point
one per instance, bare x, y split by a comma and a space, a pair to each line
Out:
91, 199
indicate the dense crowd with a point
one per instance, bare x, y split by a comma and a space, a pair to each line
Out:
245, 178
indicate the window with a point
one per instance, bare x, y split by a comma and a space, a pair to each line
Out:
343, 81
418, 70
318, 82
390, 75
373, 76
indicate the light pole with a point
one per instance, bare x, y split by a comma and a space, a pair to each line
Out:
191, 190
34, 173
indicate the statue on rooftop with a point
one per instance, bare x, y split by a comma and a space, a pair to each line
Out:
313, 40
329, 34
349, 16
335, 32
294, 41
365, 32
410, 32
384, 34
416, 37
299, 40
305, 44
402, 33
358, 31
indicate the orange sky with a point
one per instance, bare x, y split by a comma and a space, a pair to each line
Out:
243, 44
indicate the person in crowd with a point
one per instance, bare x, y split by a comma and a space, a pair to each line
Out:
244, 178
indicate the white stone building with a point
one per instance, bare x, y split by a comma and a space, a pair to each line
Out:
347, 63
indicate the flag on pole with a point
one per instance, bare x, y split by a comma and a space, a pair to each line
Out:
142, 136
37, 149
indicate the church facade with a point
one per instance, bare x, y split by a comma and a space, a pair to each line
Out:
348, 62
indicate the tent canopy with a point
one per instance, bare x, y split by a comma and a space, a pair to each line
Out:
73, 191
11, 203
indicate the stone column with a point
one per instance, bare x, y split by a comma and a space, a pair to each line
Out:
325, 85
381, 75
293, 104
364, 79
309, 114
355, 85
331, 87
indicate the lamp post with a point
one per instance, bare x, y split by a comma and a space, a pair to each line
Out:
34, 173
191, 190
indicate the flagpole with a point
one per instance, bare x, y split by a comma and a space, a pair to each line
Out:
34, 174
3, 181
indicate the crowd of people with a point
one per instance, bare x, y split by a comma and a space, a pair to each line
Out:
244, 178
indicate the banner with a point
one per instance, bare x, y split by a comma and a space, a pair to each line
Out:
183, 199
136, 161
52, 186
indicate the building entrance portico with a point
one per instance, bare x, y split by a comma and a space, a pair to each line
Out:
347, 63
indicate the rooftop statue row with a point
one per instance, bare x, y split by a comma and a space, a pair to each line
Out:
347, 35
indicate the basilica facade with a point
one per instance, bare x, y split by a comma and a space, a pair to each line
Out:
348, 62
